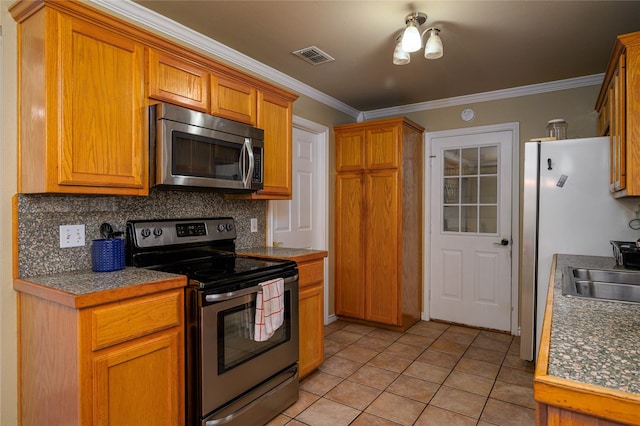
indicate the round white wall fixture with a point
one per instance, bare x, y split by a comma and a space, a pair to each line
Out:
467, 114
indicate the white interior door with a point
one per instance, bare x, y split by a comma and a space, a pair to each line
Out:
470, 219
294, 221
303, 222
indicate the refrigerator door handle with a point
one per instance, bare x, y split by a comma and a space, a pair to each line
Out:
503, 242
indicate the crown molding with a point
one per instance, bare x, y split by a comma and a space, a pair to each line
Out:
533, 89
163, 25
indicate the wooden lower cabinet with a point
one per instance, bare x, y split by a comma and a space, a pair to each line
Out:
124, 376
118, 363
311, 307
550, 415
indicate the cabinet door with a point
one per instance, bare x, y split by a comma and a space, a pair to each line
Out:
603, 119
275, 117
617, 103
382, 247
103, 117
177, 81
350, 150
349, 246
311, 328
382, 147
139, 383
233, 99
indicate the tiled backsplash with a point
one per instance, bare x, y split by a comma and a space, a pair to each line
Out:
39, 218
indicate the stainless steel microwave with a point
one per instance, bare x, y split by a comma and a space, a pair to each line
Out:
196, 150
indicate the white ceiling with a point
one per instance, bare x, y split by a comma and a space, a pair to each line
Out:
488, 45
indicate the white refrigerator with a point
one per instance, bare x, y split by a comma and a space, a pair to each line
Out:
567, 209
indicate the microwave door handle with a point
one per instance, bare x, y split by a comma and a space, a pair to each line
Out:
241, 164
249, 172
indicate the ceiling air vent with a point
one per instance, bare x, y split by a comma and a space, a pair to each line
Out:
313, 55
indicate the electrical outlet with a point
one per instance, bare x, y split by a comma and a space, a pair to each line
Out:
254, 225
71, 236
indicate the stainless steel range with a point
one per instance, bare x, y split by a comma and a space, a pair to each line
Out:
231, 376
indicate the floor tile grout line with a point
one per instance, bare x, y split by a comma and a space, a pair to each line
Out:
440, 385
399, 374
503, 358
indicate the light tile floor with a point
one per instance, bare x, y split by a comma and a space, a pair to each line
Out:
434, 374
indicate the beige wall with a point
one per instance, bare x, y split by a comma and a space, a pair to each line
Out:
576, 106
532, 112
8, 187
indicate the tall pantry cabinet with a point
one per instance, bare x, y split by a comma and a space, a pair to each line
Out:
378, 222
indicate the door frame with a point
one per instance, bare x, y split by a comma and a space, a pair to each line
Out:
320, 236
514, 128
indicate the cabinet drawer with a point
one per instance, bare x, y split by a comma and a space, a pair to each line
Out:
310, 272
128, 320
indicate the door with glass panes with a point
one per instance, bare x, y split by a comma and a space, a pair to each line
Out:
471, 229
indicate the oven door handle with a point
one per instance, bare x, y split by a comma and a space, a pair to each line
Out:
245, 291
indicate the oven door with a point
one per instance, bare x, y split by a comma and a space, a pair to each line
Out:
232, 361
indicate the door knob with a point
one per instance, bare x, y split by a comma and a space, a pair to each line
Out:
503, 242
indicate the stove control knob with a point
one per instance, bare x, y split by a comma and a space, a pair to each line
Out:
157, 232
229, 226
220, 227
145, 232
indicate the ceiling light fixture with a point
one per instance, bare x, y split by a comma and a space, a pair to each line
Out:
411, 40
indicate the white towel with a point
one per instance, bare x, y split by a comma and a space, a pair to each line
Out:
269, 309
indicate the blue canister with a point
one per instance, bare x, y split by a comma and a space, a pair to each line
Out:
107, 254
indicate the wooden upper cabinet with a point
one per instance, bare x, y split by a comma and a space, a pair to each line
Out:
379, 152
82, 125
175, 80
618, 107
382, 147
86, 81
275, 117
233, 99
350, 150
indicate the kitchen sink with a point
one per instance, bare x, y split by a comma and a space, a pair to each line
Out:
604, 284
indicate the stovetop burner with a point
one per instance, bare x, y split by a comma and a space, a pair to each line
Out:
225, 273
201, 249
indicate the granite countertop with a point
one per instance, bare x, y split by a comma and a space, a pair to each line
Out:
284, 253
84, 288
86, 281
594, 342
